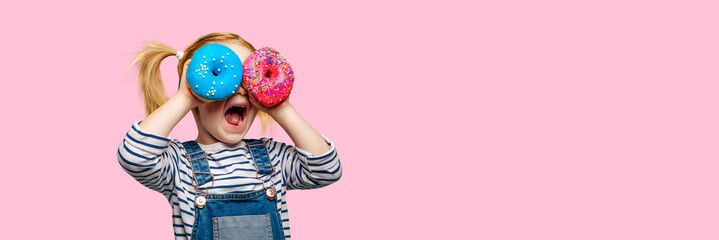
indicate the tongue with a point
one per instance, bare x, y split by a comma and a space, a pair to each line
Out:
232, 117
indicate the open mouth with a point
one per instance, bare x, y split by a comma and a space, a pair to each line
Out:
235, 114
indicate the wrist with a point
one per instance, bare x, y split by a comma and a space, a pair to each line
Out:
186, 100
281, 111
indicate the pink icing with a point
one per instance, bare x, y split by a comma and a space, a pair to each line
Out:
268, 76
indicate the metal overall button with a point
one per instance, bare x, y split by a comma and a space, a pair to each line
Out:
270, 192
200, 201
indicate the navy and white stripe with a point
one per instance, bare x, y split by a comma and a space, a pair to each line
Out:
159, 163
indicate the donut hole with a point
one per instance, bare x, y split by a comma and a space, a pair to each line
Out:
269, 73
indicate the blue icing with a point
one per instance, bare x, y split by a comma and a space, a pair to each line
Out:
226, 73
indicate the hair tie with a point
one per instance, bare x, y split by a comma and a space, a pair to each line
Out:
179, 54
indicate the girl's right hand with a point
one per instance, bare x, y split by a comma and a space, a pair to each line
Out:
185, 89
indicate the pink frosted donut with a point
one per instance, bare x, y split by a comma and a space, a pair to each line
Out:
268, 76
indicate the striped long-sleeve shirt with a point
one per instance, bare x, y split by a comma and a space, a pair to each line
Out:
159, 163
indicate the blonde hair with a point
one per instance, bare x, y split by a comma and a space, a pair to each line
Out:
148, 62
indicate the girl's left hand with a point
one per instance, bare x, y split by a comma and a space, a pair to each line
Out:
272, 111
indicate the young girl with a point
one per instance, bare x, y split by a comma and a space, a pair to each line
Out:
227, 187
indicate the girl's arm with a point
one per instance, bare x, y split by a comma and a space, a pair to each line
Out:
146, 153
313, 161
302, 134
166, 117
150, 159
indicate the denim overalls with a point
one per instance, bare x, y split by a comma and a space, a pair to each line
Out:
234, 216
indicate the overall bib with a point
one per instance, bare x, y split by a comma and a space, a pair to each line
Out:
234, 216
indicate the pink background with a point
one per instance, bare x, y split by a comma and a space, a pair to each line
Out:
511, 120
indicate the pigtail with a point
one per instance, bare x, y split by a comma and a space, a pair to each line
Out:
149, 79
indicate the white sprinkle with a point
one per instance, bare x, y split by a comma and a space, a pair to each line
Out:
221, 61
212, 87
232, 66
221, 84
203, 77
203, 57
208, 94
233, 92
213, 83
225, 67
219, 70
213, 59
235, 86
228, 54
235, 76
213, 94
199, 74
196, 86
223, 57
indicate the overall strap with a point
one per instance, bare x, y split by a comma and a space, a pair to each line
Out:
198, 160
260, 156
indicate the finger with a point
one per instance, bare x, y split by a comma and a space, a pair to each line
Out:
183, 79
256, 103
184, 69
252, 98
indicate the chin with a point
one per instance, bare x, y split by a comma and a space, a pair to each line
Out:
230, 133
233, 139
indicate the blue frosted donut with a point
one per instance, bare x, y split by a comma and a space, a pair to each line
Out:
214, 73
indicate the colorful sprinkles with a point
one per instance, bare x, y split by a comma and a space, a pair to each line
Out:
268, 76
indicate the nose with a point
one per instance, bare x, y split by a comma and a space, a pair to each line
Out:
242, 91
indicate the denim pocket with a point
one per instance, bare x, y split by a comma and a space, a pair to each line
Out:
242, 227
